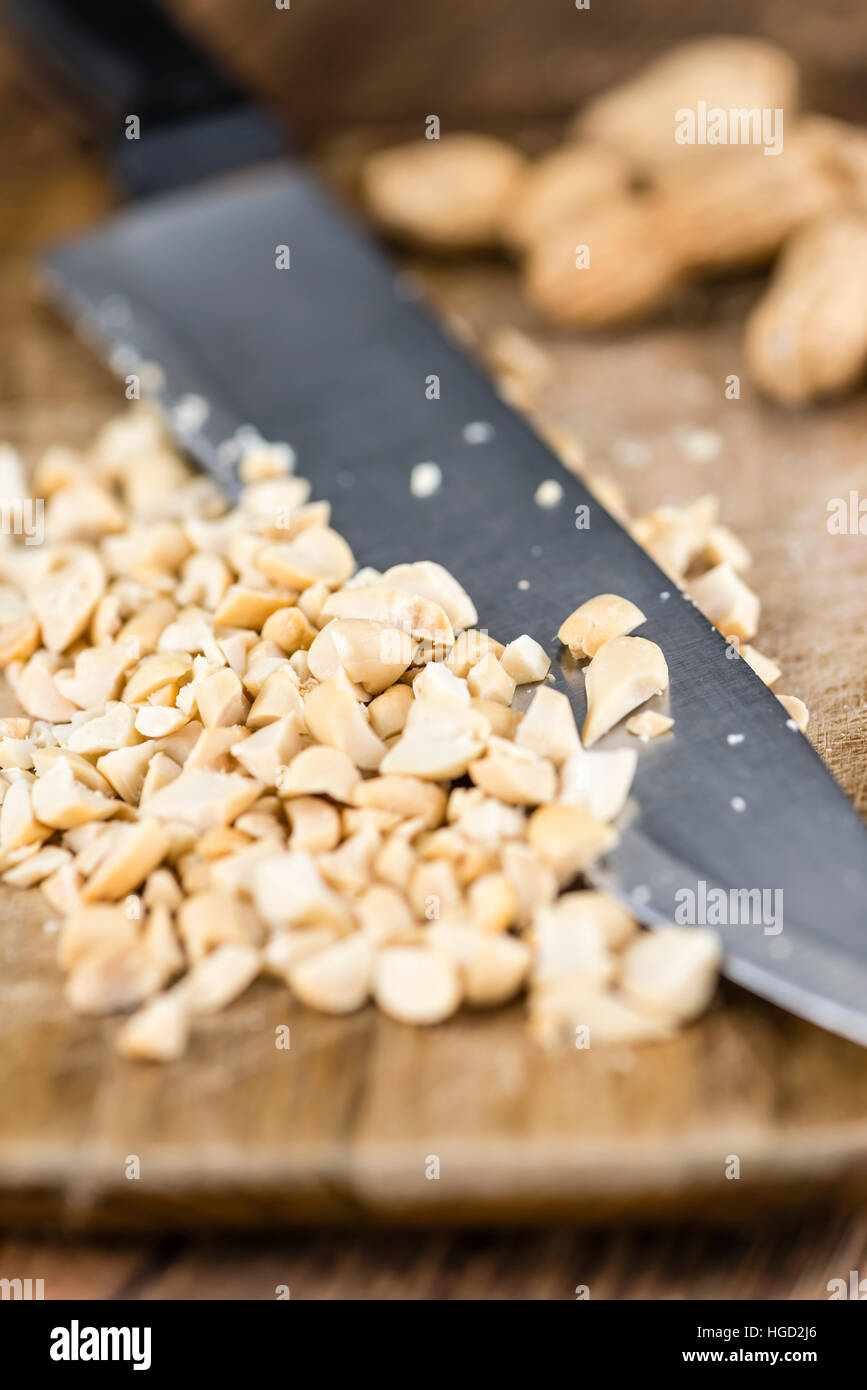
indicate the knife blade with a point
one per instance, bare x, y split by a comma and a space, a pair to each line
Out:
333, 354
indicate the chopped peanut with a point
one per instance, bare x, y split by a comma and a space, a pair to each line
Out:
265, 753
38, 867
18, 823
335, 717
727, 602
796, 710
548, 728
766, 669
337, 979
218, 978
158, 1032
290, 629
525, 661
224, 716
488, 680
409, 796
672, 971
64, 599
439, 740
676, 536
384, 916
469, 649
504, 720
62, 802
425, 579
649, 724
492, 902
596, 621
320, 772
723, 546
570, 944
562, 1008
420, 617
624, 673
278, 695
319, 555
209, 919
289, 891
244, 606
112, 977
389, 710
515, 776
492, 968
599, 780
203, 799
372, 654
615, 923
569, 839
152, 672
416, 984
436, 682
221, 701
135, 851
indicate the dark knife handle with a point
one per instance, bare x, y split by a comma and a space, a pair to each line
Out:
121, 62
124, 60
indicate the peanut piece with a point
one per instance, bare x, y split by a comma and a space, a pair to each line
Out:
624, 673
672, 971
335, 980
649, 724
569, 839
548, 728
796, 710
525, 661
599, 780
727, 602
416, 984
596, 621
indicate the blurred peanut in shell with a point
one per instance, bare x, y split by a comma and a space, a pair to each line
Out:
612, 224
637, 118
807, 337
563, 185
628, 268
725, 215
450, 194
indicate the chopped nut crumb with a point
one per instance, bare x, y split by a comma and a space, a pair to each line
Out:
649, 724
766, 669
796, 710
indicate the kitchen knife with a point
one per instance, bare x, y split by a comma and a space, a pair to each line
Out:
332, 354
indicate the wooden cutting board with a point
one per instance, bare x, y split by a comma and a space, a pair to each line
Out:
353, 1120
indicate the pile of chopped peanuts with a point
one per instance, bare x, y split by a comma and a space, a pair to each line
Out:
241, 756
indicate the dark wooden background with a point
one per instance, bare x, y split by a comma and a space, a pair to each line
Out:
336, 64
341, 66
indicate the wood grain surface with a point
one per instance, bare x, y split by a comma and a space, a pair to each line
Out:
340, 1128
335, 63
782, 1261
